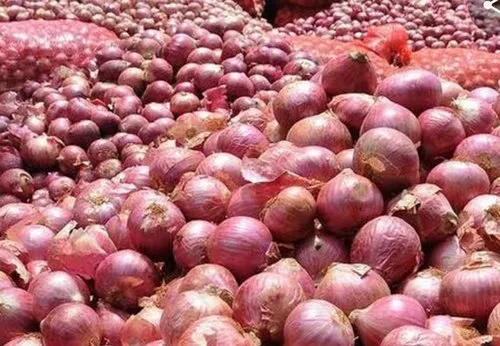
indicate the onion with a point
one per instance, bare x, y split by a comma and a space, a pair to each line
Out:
297, 101
318, 251
207, 76
157, 91
154, 111
118, 231
142, 328
323, 130
291, 268
60, 188
83, 133
351, 286
242, 140
9, 158
152, 227
59, 128
447, 255
316, 322
17, 182
74, 323
257, 294
107, 122
71, 159
41, 151
459, 181
486, 94
26, 340
483, 150
345, 158
16, 315
349, 73
494, 323
223, 166
352, 108
390, 246
415, 89
427, 210
11, 214
451, 91
79, 251
52, 289
189, 307
400, 337
442, 131
101, 150
305, 68
6, 281
424, 286
36, 239
158, 69
137, 175
178, 49
243, 245
477, 116
385, 315
8, 199
112, 322
472, 291
385, 113
388, 158
190, 244
124, 277
237, 85
457, 330
347, 202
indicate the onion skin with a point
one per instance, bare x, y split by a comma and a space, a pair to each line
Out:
352, 108
243, 245
385, 315
316, 322
390, 246
190, 244
427, 210
189, 307
16, 315
425, 286
388, 158
347, 202
482, 149
263, 302
291, 268
447, 255
142, 328
351, 286
408, 335
242, 140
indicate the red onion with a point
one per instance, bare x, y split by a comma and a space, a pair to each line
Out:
442, 131
427, 210
190, 243
493, 323
400, 337
16, 315
385, 113
424, 286
26, 340
472, 290
451, 91
254, 117
390, 246
189, 307
9, 158
112, 69
237, 85
348, 73
385, 315
242, 140
79, 251
102, 149
157, 91
346, 158
41, 152
478, 208
154, 111
486, 94
142, 328
178, 49
223, 166
79, 109
8, 199
253, 299
291, 268
351, 286
447, 255
108, 169
415, 89
132, 123
83, 133
483, 150
11, 214
158, 69
352, 108
112, 322
71, 159
477, 116
52, 289
323, 130
59, 128
207, 76
457, 330
118, 231
254, 246
388, 158
297, 101
106, 121
74, 323
35, 238
124, 277
347, 202
316, 322
17, 182
60, 188
459, 181
318, 251
133, 77
305, 68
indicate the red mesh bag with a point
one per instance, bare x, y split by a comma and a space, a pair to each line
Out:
254, 7
29, 49
390, 42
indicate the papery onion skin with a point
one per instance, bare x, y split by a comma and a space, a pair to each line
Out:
16, 315
390, 246
388, 158
352, 108
385, 315
317, 322
425, 286
351, 286
406, 335
190, 244
291, 268
447, 255
142, 327
189, 307
347, 202
124, 277
72, 323
243, 245
482, 149
264, 301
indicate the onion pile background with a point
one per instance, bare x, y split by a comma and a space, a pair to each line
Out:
183, 174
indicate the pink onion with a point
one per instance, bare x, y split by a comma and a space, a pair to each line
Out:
137, 175
451, 91
346, 158
388, 158
390, 246
316, 322
385, 315
243, 245
251, 304
318, 251
41, 151
112, 322
17, 182
16, 315
9, 158
210, 278
190, 244
486, 94
118, 231
424, 286
74, 323
456, 329
242, 140
52, 289
483, 150
36, 239
400, 337
71, 159
31, 339
207, 76
124, 277
59, 128
351, 286
291, 268
347, 202
459, 181
352, 108
447, 255
189, 307
223, 166
415, 89
477, 116
142, 328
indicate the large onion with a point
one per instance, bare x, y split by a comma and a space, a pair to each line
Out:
291, 268
477, 116
223, 166
16, 316
483, 150
190, 244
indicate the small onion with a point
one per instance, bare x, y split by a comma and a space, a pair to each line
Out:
483, 150
400, 337
346, 158
16, 315
83, 133
142, 328
424, 286
190, 244
102, 149
10, 214
447, 255
71, 159
451, 91
291, 268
